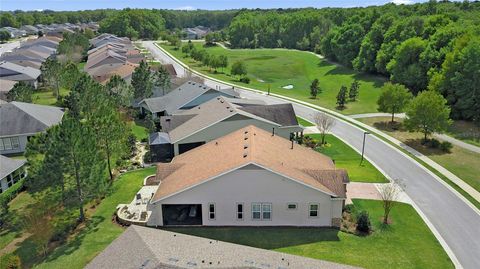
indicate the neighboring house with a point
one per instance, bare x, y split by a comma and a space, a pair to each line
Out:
5, 87
22, 59
30, 29
102, 74
107, 57
148, 248
19, 121
14, 32
197, 32
249, 178
108, 38
11, 171
188, 95
220, 116
15, 72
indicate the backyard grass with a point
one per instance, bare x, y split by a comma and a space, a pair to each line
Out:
138, 130
276, 68
46, 97
406, 243
463, 163
99, 232
347, 158
14, 227
304, 122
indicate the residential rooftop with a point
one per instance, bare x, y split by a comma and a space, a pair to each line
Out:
149, 248
250, 145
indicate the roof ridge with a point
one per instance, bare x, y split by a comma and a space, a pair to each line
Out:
32, 115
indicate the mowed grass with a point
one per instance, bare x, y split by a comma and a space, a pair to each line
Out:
13, 229
275, 68
304, 122
139, 131
406, 243
347, 158
46, 97
463, 163
100, 230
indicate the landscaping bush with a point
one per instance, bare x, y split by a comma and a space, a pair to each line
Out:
363, 222
433, 143
350, 208
245, 80
10, 261
446, 146
11, 192
147, 158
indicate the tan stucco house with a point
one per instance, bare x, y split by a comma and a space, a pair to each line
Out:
249, 178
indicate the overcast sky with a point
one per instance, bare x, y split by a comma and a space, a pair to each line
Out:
184, 4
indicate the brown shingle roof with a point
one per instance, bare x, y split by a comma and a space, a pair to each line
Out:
245, 146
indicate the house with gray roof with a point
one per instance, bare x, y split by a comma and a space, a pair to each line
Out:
17, 57
15, 72
20, 121
149, 248
11, 171
188, 95
194, 127
30, 29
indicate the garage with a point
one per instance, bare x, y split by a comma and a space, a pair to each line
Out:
182, 215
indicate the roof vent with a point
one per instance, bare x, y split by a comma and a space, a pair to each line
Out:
198, 107
245, 154
245, 146
245, 138
231, 110
246, 132
221, 101
168, 119
216, 143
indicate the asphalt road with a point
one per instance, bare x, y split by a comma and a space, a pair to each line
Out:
456, 222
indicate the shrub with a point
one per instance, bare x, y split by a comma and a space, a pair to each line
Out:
10, 261
363, 222
446, 146
433, 143
350, 208
245, 80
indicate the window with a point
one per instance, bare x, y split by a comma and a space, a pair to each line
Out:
262, 211
240, 211
7, 143
9, 180
211, 211
15, 142
313, 210
267, 211
256, 211
291, 206
1, 144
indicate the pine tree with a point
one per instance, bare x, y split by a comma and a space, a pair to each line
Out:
142, 81
342, 97
314, 89
353, 93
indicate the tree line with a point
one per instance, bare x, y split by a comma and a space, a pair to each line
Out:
422, 46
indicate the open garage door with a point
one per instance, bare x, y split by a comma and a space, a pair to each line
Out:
182, 215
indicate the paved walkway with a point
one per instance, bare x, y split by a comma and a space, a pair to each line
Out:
360, 190
443, 137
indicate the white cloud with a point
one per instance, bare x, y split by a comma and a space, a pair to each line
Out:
402, 2
185, 8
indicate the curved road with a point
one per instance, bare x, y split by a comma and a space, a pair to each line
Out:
454, 220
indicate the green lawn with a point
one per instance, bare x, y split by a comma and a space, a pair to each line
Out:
406, 243
304, 122
14, 229
276, 68
463, 163
99, 232
139, 130
46, 97
346, 157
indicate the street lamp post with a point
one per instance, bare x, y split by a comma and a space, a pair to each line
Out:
363, 146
